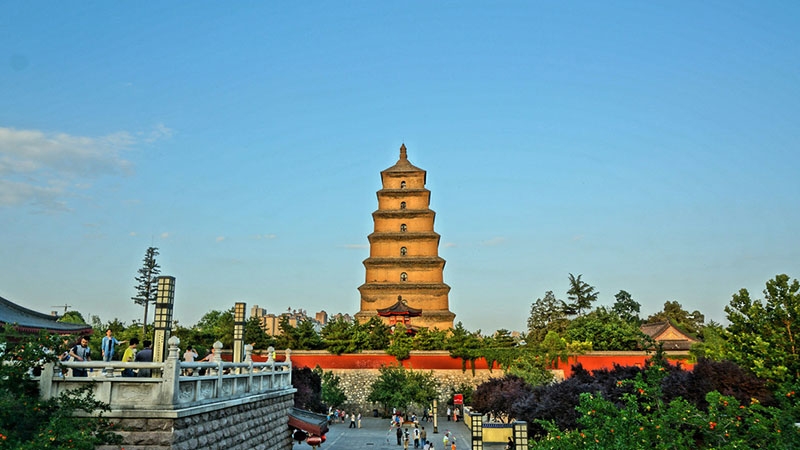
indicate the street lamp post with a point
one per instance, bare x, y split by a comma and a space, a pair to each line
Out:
165, 300
476, 429
435, 416
238, 331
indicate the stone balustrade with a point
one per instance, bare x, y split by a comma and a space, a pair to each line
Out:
168, 389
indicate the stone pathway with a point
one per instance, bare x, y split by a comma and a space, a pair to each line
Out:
374, 434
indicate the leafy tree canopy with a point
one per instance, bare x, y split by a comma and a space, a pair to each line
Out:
580, 294
605, 330
762, 335
547, 314
398, 387
674, 313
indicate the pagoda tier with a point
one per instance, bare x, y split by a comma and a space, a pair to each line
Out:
404, 257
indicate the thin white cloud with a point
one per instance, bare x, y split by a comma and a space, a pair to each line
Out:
265, 236
159, 132
132, 233
45, 169
450, 244
164, 235
356, 246
494, 241
220, 238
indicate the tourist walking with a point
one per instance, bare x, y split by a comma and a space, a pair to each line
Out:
399, 434
448, 415
359, 419
423, 437
416, 437
352, 420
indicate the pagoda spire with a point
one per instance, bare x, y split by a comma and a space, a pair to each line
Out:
403, 151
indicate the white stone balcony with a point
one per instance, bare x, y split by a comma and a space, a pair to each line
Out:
167, 390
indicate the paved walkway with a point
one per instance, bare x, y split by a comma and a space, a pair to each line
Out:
374, 434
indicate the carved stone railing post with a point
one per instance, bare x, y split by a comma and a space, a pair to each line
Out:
271, 362
218, 360
248, 359
46, 380
172, 373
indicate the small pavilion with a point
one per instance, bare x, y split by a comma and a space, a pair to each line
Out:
400, 314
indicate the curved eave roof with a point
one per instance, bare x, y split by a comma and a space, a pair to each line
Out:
30, 321
400, 309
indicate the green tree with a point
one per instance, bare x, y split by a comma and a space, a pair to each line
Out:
401, 343
430, 339
215, 326
341, 336
72, 317
397, 387
332, 392
465, 345
626, 307
301, 337
73, 420
763, 334
147, 283
605, 330
581, 295
673, 312
378, 334
547, 314
254, 334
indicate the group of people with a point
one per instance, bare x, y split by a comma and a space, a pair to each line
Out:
81, 352
342, 416
417, 435
453, 413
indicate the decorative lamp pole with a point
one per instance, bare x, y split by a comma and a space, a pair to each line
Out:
238, 331
165, 299
520, 434
435, 416
476, 430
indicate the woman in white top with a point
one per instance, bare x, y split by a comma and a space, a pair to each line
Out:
189, 357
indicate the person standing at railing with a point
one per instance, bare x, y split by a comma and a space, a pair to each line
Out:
145, 355
128, 356
107, 348
81, 352
189, 356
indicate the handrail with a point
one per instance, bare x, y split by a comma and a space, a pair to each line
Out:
169, 387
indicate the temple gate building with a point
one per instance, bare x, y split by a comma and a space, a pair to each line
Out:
404, 257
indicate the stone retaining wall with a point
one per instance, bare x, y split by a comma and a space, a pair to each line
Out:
260, 423
357, 383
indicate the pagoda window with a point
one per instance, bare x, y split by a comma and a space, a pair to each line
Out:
403, 276
402, 205
403, 251
402, 185
403, 228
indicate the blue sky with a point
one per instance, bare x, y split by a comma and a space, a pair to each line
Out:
649, 146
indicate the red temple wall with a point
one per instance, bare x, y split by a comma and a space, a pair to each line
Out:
438, 360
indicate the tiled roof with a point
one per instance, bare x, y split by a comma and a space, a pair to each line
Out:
31, 321
400, 309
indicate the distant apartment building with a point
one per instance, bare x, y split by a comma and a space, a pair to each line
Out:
270, 323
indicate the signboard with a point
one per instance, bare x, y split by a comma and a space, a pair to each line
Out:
458, 399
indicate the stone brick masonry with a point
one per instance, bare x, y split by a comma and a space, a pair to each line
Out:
357, 384
250, 425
